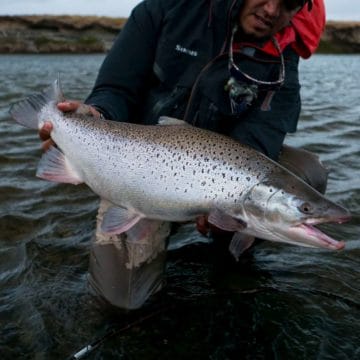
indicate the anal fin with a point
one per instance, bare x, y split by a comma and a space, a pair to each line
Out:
54, 166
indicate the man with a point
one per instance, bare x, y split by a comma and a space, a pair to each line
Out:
230, 66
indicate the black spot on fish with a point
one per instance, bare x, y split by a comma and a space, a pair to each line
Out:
248, 178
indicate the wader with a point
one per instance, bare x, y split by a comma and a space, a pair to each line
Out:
126, 272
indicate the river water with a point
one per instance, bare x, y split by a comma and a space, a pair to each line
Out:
278, 302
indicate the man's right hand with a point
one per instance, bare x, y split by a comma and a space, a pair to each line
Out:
44, 134
66, 107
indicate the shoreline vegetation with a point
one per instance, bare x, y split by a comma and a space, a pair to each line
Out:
48, 34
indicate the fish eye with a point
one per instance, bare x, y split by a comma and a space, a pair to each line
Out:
306, 208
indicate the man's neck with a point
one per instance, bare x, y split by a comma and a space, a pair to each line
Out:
242, 37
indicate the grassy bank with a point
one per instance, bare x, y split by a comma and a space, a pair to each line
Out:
91, 34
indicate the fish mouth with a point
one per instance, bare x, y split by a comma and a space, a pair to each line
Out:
312, 236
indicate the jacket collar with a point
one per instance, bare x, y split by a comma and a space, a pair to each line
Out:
222, 16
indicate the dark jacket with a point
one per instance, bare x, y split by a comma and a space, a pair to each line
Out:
166, 47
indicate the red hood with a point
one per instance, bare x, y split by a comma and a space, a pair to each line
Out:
304, 32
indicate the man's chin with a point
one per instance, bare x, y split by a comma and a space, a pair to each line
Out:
252, 37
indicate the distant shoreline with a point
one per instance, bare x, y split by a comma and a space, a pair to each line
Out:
90, 34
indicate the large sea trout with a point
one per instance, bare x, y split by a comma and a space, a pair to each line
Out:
176, 172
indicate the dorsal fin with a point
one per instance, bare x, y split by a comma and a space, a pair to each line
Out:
166, 120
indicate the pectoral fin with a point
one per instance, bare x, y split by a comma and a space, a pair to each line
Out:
54, 166
225, 222
117, 220
239, 243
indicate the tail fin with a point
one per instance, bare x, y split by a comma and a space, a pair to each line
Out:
26, 111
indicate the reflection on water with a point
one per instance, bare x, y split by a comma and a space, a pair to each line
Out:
278, 302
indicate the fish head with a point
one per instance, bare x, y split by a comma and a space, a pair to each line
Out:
287, 211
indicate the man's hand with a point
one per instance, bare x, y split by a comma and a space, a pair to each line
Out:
202, 225
44, 134
66, 107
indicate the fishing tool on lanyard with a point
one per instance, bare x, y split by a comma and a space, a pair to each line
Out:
243, 88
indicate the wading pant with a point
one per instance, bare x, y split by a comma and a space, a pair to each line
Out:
125, 271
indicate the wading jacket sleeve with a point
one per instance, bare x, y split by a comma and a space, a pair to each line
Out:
171, 51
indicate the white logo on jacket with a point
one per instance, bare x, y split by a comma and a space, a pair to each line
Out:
184, 50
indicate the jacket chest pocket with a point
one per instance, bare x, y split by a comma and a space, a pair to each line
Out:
177, 64
176, 67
